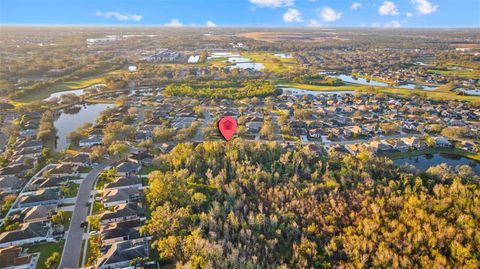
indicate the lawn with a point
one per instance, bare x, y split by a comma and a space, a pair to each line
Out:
72, 190
46, 250
84, 170
68, 218
97, 208
146, 170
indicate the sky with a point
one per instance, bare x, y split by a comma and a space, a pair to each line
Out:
251, 13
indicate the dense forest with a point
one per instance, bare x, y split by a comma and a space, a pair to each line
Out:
254, 205
247, 89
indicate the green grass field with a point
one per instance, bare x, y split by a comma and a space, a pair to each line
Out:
272, 63
439, 94
471, 74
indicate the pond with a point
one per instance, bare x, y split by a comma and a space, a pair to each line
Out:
254, 66
364, 81
238, 60
475, 92
297, 91
73, 118
283, 55
58, 94
423, 162
76, 92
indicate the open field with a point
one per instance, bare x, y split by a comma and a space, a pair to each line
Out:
290, 36
272, 63
471, 74
65, 86
436, 94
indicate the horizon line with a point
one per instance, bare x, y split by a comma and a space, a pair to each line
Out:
227, 26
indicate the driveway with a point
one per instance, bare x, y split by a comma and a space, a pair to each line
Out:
73, 244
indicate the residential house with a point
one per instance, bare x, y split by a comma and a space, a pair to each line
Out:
141, 157
380, 147
127, 168
51, 182
27, 233
120, 231
121, 253
19, 170
10, 184
442, 142
122, 212
80, 159
92, 140
64, 170
41, 213
40, 197
413, 142
130, 181
120, 196
30, 144
399, 145
15, 258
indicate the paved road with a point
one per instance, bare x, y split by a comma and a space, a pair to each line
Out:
73, 244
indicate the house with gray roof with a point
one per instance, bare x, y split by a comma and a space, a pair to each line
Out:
27, 233
40, 197
120, 253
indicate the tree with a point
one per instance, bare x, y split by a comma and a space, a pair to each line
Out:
98, 153
53, 260
388, 127
121, 100
46, 129
268, 130
118, 151
94, 221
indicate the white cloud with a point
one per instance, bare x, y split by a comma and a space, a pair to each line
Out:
273, 3
174, 23
313, 23
388, 8
409, 14
393, 24
424, 7
211, 24
292, 15
355, 6
329, 14
119, 16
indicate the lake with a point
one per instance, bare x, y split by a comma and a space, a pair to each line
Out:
296, 91
364, 81
423, 162
74, 118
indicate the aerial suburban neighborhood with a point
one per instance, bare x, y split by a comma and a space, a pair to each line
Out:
349, 149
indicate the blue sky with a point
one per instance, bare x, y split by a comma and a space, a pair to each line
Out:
363, 13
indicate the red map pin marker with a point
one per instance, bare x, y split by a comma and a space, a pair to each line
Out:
227, 127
